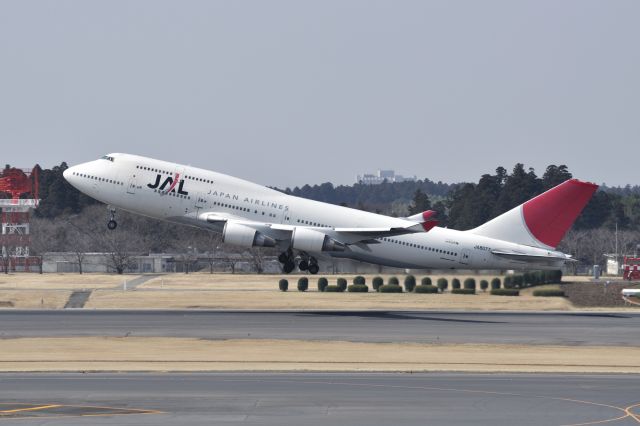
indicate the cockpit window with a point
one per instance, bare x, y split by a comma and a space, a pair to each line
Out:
106, 157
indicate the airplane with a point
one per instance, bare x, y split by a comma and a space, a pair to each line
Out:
250, 215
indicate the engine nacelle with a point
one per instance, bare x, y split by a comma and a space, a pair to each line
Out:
245, 236
305, 239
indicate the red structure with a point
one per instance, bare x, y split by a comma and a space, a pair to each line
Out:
18, 195
631, 268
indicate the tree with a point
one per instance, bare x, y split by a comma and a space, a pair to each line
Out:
555, 175
420, 202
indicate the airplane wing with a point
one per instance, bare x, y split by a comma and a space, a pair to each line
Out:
345, 236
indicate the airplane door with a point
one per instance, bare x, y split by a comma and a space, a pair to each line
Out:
465, 257
131, 185
199, 202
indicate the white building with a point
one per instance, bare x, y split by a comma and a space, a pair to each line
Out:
381, 175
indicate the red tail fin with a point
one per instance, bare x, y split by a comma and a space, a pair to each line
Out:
550, 215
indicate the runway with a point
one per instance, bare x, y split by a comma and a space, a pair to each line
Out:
615, 329
320, 399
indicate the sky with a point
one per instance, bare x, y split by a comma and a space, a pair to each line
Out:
291, 92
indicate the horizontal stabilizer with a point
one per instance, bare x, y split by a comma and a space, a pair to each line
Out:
532, 258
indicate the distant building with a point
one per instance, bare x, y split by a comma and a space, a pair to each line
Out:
381, 175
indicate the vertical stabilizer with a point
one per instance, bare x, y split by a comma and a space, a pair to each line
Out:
544, 220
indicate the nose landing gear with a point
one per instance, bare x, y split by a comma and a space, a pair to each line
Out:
112, 224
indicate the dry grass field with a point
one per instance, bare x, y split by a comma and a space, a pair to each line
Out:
293, 299
185, 354
61, 281
251, 291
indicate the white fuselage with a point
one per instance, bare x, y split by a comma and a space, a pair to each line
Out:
135, 184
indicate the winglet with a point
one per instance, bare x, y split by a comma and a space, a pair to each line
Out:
425, 219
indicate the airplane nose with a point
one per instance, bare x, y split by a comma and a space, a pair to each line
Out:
69, 174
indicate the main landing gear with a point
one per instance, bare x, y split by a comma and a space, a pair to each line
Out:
112, 224
306, 262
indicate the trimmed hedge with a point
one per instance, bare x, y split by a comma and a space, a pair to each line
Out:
390, 288
426, 281
393, 281
303, 284
332, 289
357, 288
508, 281
495, 283
377, 283
322, 283
442, 284
548, 293
342, 284
505, 292
463, 291
426, 289
359, 280
484, 285
283, 285
455, 284
470, 284
409, 283
518, 281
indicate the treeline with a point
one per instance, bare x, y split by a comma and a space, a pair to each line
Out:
376, 198
473, 204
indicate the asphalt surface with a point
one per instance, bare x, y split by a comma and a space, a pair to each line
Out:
318, 399
619, 329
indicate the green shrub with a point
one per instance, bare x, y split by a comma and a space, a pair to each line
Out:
508, 281
283, 284
390, 288
442, 284
393, 281
426, 281
359, 280
342, 284
484, 285
463, 291
322, 283
505, 292
303, 284
377, 283
553, 277
455, 283
332, 289
357, 288
495, 283
518, 281
470, 284
426, 289
409, 283
549, 293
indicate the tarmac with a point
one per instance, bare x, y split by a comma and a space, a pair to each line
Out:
607, 329
287, 399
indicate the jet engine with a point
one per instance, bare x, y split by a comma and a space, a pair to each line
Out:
309, 240
245, 236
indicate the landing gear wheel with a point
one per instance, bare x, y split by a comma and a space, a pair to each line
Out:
288, 267
283, 258
314, 268
112, 224
303, 265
